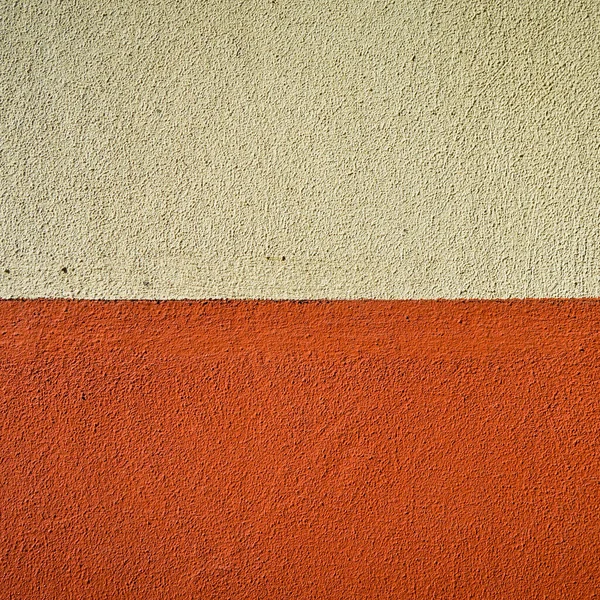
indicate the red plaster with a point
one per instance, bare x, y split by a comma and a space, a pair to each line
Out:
435, 449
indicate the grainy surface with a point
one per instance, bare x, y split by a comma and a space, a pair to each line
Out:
408, 149
299, 450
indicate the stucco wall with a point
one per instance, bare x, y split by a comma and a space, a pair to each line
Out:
299, 451
303, 149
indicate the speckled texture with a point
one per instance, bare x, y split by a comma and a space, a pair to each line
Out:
265, 450
299, 149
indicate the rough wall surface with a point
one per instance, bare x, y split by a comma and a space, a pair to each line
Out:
299, 450
305, 149
409, 149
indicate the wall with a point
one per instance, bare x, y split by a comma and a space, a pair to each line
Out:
425, 172
311, 149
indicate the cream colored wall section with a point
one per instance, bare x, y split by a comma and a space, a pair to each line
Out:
300, 149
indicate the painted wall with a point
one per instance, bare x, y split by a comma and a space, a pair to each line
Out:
312, 149
273, 450
303, 149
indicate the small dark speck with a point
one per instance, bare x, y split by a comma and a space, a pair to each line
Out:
414, 57
83, 395
64, 270
581, 349
283, 258
7, 271
147, 283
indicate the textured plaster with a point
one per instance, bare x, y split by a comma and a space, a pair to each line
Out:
274, 450
300, 149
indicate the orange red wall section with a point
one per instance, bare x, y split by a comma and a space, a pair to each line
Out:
263, 449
